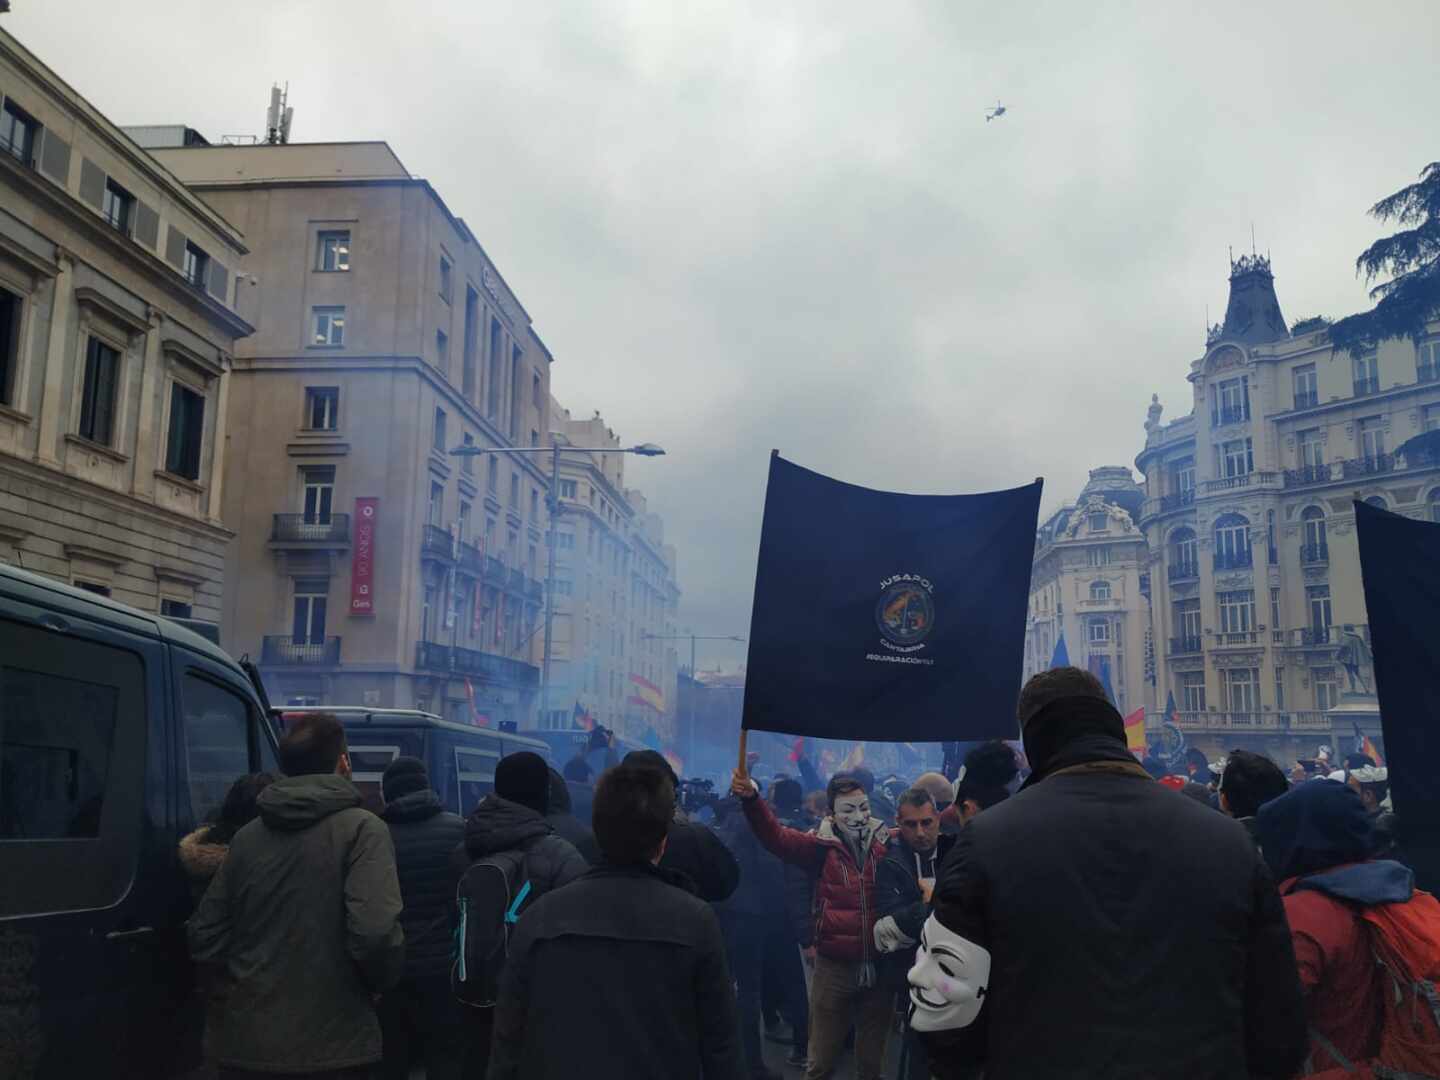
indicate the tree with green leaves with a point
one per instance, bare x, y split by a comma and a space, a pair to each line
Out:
1410, 260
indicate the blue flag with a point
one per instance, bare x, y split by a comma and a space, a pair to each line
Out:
885, 616
1061, 656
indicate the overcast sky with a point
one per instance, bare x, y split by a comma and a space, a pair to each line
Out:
741, 226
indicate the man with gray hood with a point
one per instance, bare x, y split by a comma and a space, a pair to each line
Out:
302, 921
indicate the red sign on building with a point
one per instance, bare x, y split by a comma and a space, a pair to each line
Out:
362, 562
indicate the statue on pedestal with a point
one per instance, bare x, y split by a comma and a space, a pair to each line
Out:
1354, 655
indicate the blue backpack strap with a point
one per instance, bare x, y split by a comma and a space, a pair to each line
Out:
512, 914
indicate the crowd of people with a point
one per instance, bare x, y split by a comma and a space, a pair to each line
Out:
1056, 913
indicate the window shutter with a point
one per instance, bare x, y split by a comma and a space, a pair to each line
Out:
175, 248
92, 183
219, 280
147, 224
55, 158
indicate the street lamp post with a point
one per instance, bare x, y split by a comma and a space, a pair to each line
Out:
692, 638
552, 504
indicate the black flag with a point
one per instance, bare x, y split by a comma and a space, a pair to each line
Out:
887, 616
1400, 564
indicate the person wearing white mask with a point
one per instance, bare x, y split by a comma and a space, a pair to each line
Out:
843, 854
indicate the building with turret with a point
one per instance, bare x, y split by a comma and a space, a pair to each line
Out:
1258, 613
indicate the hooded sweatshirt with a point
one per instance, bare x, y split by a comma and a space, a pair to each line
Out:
497, 824
1317, 839
303, 921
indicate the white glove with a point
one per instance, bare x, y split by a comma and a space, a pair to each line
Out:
889, 937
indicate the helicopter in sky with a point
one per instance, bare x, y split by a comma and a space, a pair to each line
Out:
995, 113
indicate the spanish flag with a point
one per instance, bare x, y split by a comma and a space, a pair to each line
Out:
1135, 731
1366, 746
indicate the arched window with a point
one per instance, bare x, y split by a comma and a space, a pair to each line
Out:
1313, 519
1432, 502
1232, 542
1377, 502
1184, 555
1099, 590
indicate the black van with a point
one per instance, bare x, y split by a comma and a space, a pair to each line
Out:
119, 732
460, 759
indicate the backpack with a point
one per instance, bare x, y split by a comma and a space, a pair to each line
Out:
490, 895
1405, 941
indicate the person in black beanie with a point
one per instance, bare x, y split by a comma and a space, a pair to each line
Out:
1094, 876
691, 848
512, 819
419, 1018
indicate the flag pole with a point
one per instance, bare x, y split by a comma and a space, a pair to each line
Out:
744, 772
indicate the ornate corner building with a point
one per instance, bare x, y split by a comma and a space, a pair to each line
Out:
1257, 612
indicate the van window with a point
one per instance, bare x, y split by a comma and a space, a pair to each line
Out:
73, 737
55, 755
367, 769
217, 742
477, 775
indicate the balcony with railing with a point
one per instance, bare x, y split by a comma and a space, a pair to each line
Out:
1185, 646
1370, 465
1229, 414
1243, 559
535, 590
1307, 400
495, 571
436, 543
1186, 570
1310, 720
490, 667
1177, 499
1311, 554
1307, 474
1237, 639
310, 530
1426, 373
469, 559
1259, 480
283, 650
1366, 387
1231, 721
517, 580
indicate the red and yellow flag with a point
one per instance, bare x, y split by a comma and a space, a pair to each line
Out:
1135, 730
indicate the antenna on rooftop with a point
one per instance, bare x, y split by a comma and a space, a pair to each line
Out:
278, 116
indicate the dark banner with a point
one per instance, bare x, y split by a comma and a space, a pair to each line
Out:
887, 616
1400, 563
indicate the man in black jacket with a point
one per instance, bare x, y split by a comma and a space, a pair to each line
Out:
1098, 925
690, 848
419, 1018
622, 973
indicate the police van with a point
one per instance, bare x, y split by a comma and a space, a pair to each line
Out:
120, 731
460, 759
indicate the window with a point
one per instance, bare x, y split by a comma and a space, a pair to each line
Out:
1376, 501
1327, 688
175, 609
493, 474
1280, 688
1097, 631
1432, 503
1234, 401
1302, 380
1099, 522
1184, 553
1098, 556
514, 492
196, 266
1367, 374
467, 463
317, 484
436, 507
1317, 597
492, 396
531, 561
1430, 414
322, 408
1242, 690
1427, 361
537, 392
308, 624
565, 540
1312, 518
1237, 611
217, 743
447, 287
187, 426
327, 326
1099, 590
97, 400
1232, 542
564, 586
1192, 691
1310, 448
1275, 622
1372, 438
471, 343
427, 611
333, 250
534, 506
19, 132
567, 489
442, 351
1237, 457
534, 437
9, 344
464, 525
118, 207
438, 437
93, 587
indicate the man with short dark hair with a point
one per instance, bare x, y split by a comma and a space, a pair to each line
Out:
623, 969
691, 848
1096, 925
303, 921
1248, 781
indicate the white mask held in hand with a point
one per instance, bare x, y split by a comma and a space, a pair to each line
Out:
947, 983
852, 813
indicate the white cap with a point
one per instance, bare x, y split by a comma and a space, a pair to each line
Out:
1370, 774
1338, 774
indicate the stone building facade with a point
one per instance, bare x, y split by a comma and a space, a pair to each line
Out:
1259, 614
117, 328
371, 566
613, 655
1089, 583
